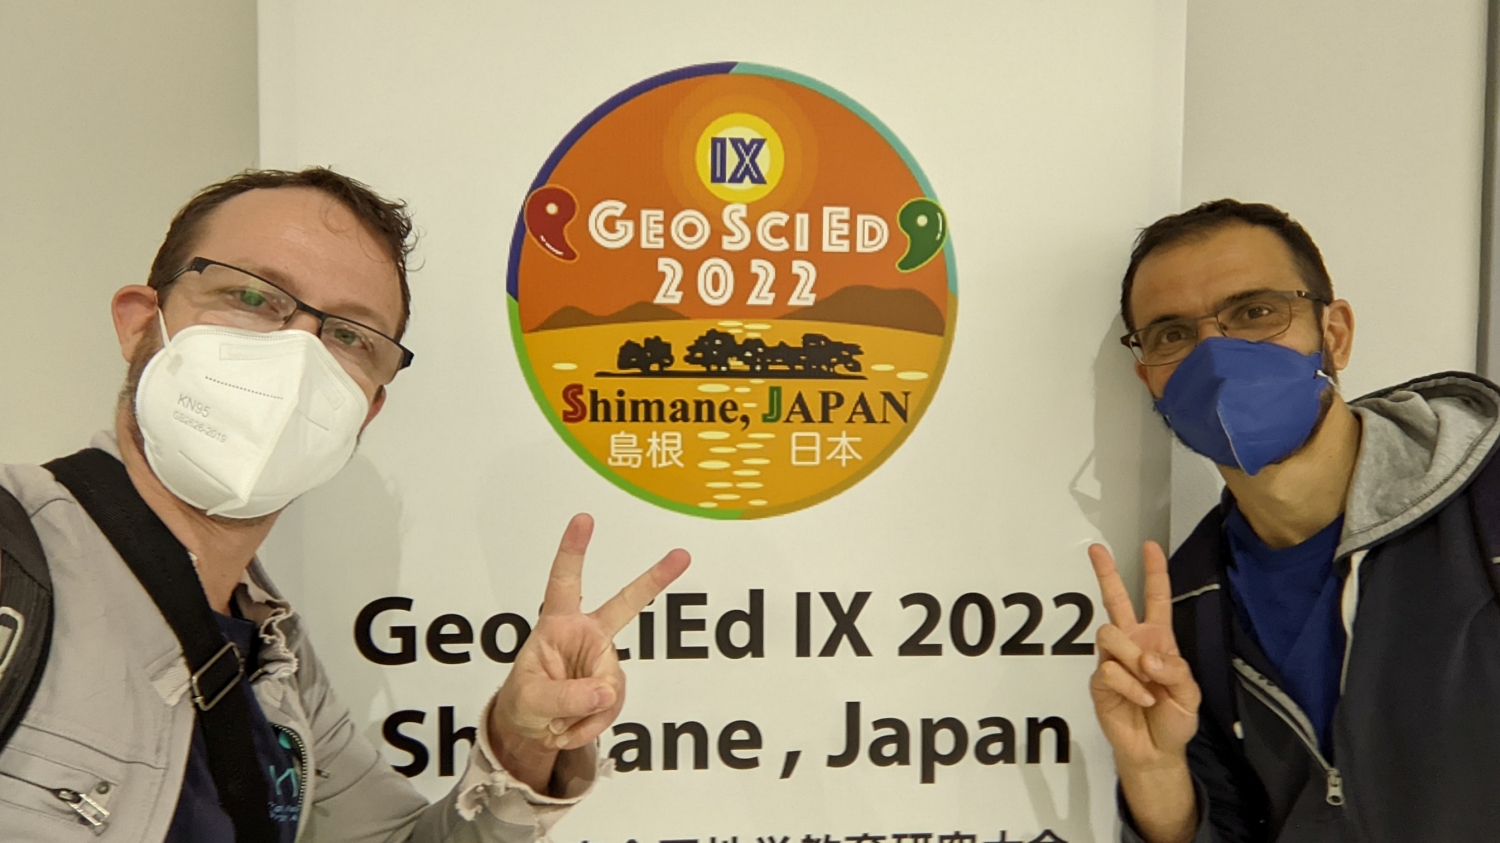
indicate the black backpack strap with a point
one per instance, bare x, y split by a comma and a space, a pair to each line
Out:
161, 563
25, 613
1484, 498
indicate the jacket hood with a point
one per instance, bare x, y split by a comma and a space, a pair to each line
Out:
1420, 444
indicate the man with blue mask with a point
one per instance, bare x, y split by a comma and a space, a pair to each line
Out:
1320, 660
266, 338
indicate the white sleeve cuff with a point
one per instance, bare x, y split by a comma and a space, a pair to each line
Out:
487, 785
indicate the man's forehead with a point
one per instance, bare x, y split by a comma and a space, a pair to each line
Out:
1195, 274
310, 243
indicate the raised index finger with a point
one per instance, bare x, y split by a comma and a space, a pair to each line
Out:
623, 607
1112, 589
565, 582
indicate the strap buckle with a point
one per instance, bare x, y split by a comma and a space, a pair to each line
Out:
200, 699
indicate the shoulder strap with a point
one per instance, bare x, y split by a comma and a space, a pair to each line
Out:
25, 613
1484, 497
161, 563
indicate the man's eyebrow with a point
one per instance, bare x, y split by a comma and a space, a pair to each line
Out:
353, 310
1223, 303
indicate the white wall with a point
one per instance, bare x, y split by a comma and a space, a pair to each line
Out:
111, 116
1049, 131
1364, 121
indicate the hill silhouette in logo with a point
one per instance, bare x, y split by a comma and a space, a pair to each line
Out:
574, 317
906, 310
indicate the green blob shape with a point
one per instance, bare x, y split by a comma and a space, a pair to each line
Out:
926, 228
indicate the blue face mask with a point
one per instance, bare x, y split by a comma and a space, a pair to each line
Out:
1242, 403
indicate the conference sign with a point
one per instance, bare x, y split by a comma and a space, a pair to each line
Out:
732, 291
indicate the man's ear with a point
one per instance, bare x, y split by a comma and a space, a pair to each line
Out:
375, 405
134, 311
1338, 334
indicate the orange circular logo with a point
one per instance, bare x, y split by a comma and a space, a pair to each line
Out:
732, 291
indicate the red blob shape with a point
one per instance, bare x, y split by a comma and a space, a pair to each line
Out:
549, 209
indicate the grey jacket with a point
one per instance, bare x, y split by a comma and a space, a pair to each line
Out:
112, 718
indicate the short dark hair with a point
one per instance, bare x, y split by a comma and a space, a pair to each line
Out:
389, 220
1212, 216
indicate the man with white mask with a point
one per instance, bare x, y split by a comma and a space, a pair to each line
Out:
1320, 660
260, 348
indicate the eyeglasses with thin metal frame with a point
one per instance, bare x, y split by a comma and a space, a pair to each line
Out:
253, 302
1257, 316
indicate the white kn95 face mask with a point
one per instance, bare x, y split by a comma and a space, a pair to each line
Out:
239, 423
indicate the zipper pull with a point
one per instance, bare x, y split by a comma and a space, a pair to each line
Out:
87, 809
1335, 795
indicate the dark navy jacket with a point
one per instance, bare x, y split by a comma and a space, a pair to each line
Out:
1416, 734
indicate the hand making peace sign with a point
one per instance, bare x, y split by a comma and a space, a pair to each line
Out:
566, 685
1144, 693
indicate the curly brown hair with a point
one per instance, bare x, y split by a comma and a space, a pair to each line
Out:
389, 220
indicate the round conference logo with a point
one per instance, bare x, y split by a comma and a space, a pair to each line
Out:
731, 290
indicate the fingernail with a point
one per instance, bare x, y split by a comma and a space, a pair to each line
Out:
561, 743
557, 727
1153, 662
603, 697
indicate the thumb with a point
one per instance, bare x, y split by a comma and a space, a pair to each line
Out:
572, 698
1175, 677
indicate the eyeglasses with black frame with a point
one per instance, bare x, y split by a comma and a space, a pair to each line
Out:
1257, 316
241, 299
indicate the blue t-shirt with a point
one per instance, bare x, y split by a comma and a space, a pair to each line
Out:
1291, 599
199, 816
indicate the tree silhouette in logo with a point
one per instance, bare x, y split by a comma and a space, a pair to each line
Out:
653, 353
717, 351
713, 351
